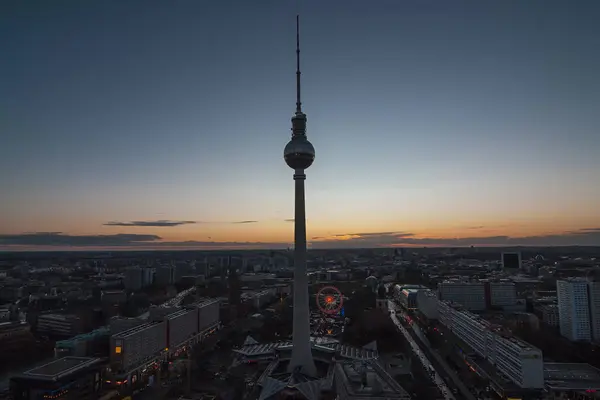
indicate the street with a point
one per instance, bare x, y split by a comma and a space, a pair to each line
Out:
437, 379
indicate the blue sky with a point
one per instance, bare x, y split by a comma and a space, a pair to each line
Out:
427, 117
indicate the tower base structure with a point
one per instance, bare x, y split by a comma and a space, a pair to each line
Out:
337, 366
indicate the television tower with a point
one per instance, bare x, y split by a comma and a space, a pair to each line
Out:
299, 154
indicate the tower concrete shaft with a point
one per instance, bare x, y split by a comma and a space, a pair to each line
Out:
301, 351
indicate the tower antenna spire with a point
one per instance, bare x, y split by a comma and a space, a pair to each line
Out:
298, 102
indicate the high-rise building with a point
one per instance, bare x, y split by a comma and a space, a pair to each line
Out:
182, 269
134, 278
579, 309
164, 275
511, 261
147, 276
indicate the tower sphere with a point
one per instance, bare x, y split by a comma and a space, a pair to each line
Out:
299, 153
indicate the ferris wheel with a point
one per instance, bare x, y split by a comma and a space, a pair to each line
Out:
330, 300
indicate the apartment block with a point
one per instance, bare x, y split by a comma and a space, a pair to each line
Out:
517, 360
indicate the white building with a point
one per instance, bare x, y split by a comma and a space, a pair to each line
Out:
471, 295
579, 309
520, 362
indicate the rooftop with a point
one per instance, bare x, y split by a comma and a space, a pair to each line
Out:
366, 379
178, 313
57, 368
523, 345
136, 329
411, 290
571, 376
260, 349
353, 373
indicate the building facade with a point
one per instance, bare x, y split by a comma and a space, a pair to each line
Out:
517, 360
59, 325
133, 279
427, 303
579, 309
502, 294
471, 295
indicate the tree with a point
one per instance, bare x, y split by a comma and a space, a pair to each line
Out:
361, 299
374, 325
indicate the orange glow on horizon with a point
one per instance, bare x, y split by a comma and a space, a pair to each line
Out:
278, 233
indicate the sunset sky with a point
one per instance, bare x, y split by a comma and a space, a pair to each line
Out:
160, 124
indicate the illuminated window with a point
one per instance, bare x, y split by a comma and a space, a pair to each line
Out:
118, 349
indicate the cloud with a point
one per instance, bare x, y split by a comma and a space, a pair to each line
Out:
209, 245
161, 223
61, 239
582, 237
53, 240
289, 220
155, 224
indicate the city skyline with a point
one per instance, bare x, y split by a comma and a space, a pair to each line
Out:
469, 124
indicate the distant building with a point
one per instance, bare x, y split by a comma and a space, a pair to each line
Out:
133, 280
59, 325
14, 333
113, 296
471, 295
502, 294
479, 295
549, 314
511, 261
182, 269
164, 275
147, 277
